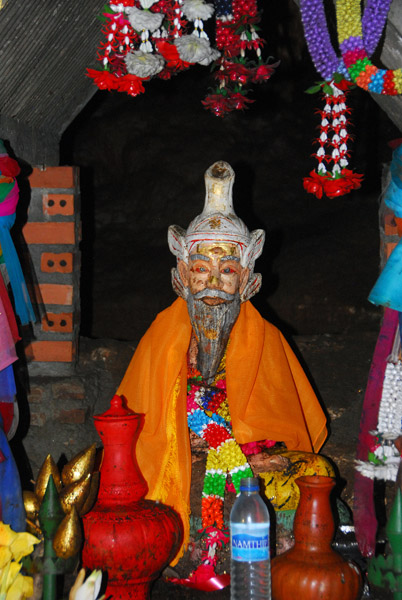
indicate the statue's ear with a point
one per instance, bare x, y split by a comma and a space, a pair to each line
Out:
182, 268
254, 248
177, 242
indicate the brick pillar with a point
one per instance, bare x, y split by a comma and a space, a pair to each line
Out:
52, 234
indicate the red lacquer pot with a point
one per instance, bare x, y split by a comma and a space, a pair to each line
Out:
312, 570
131, 538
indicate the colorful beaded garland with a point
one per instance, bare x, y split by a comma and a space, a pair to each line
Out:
354, 54
208, 416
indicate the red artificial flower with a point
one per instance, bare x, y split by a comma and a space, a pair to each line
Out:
131, 84
105, 80
332, 187
237, 72
217, 104
263, 72
171, 56
314, 184
239, 101
215, 435
123, 2
9, 167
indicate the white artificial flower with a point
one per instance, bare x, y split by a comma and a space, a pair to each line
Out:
88, 589
143, 64
144, 19
147, 3
197, 9
193, 49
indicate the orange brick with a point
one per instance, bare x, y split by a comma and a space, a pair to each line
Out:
48, 351
390, 227
58, 204
61, 262
52, 177
53, 293
60, 322
49, 233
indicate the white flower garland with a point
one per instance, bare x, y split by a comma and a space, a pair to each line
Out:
388, 427
194, 49
144, 64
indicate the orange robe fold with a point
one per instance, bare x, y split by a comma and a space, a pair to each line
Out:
268, 394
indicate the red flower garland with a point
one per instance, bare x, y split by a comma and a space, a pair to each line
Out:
236, 33
332, 145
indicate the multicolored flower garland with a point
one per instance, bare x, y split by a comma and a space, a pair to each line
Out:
208, 416
355, 55
358, 39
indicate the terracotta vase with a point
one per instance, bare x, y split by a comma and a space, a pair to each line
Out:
131, 538
312, 570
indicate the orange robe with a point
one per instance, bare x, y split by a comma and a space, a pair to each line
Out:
268, 394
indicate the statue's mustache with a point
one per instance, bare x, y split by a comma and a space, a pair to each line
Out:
206, 293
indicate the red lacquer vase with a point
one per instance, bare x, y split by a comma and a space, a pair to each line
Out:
312, 570
130, 538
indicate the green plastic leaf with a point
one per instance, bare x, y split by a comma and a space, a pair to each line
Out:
327, 89
313, 89
338, 77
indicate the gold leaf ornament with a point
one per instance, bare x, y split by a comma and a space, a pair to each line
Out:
31, 504
68, 537
93, 493
75, 494
79, 466
48, 468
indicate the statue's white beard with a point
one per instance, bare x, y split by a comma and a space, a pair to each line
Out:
212, 326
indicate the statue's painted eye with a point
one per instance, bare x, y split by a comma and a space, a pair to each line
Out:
200, 269
227, 270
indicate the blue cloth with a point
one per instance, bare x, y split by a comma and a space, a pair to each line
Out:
387, 290
23, 306
12, 504
7, 384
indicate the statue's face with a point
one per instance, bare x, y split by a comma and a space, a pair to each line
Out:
214, 266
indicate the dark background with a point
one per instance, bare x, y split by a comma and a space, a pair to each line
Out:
142, 165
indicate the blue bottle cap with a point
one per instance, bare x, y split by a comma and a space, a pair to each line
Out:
249, 484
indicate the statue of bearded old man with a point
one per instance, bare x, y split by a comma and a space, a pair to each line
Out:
211, 365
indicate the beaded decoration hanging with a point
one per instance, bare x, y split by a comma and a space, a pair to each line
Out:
357, 37
208, 416
158, 38
240, 63
384, 457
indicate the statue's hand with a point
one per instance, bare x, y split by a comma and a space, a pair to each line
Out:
263, 462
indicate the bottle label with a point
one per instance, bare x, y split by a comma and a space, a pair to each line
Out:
249, 542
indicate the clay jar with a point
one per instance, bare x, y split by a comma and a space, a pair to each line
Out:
131, 538
312, 570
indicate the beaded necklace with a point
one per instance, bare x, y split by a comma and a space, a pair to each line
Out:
358, 38
208, 417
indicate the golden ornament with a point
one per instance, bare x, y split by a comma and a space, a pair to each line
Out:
93, 493
75, 494
79, 466
48, 468
31, 504
68, 537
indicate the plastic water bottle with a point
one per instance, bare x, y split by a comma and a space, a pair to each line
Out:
250, 577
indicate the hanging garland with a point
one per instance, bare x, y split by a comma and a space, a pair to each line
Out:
208, 416
158, 38
236, 38
358, 38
